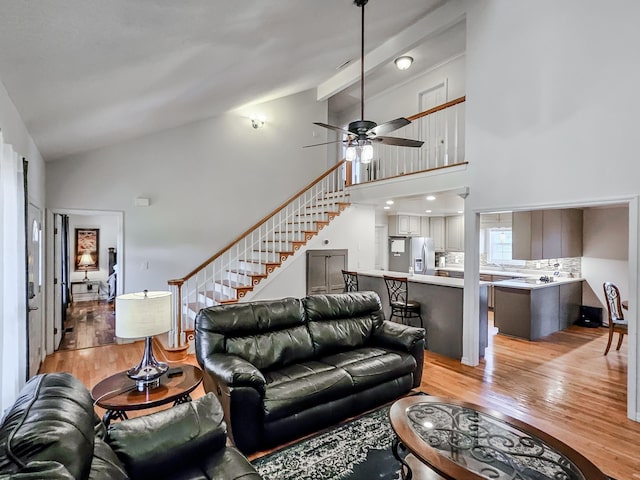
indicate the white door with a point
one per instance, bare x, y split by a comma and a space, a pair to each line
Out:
58, 284
433, 128
35, 326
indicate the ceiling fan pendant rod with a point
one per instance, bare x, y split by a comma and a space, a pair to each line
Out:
361, 4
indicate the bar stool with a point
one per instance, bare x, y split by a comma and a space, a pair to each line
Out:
401, 306
350, 281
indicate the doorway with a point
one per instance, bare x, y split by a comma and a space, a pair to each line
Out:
86, 276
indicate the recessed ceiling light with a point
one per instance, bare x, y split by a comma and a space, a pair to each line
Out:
431, 198
389, 202
460, 211
403, 62
427, 211
387, 208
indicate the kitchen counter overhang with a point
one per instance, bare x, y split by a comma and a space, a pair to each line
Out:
441, 301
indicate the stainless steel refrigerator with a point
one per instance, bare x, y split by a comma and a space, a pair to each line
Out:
415, 252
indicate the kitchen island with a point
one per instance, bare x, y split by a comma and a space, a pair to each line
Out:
531, 309
441, 303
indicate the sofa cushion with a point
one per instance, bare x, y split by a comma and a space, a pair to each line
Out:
105, 463
295, 372
372, 366
286, 398
273, 349
341, 322
52, 420
268, 334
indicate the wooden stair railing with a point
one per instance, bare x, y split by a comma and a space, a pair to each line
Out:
442, 130
232, 273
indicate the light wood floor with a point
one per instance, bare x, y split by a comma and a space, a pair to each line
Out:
562, 385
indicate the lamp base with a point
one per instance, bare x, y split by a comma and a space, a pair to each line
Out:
148, 372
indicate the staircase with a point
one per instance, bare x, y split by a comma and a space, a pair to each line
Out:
234, 273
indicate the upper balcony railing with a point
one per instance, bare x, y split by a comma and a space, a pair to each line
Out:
442, 129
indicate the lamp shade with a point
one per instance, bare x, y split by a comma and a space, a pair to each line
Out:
143, 314
86, 260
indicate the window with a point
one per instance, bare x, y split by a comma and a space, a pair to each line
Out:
499, 247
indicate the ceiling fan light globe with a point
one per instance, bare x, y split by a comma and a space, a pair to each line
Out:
350, 154
367, 154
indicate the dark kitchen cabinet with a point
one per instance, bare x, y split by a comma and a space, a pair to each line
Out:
543, 234
324, 271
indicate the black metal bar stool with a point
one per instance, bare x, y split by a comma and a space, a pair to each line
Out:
350, 281
401, 306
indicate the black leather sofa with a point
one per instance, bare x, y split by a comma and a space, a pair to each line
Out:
284, 368
52, 432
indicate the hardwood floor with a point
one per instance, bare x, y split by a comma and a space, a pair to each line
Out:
89, 324
563, 385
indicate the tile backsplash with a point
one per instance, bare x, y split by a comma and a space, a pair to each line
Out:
568, 266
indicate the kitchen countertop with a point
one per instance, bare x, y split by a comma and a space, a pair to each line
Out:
428, 279
532, 283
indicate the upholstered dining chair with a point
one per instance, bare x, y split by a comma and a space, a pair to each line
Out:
350, 281
617, 323
401, 306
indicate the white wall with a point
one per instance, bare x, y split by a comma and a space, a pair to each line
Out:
15, 133
403, 100
552, 95
353, 230
108, 225
207, 182
605, 253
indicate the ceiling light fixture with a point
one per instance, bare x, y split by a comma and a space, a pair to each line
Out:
427, 211
257, 121
386, 208
431, 198
389, 202
460, 211
403, 62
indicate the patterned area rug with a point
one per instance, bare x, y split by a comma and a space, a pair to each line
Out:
358, 449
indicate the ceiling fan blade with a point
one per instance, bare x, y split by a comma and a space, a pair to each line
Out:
331, 127
389, 127
400, 142
325, 143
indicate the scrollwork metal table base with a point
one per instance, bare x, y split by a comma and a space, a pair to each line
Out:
405, 469
110, 415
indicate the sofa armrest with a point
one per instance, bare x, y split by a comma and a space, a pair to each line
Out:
396, 335
154, 444
234, 371
406, 338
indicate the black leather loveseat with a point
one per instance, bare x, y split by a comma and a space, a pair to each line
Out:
283, 368
52, 432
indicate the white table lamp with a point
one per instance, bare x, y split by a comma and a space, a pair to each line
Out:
144, 314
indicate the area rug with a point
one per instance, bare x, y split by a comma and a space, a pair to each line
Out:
357, 449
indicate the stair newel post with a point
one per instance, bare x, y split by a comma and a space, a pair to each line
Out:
175, 335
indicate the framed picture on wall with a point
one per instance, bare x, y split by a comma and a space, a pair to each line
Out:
87, 254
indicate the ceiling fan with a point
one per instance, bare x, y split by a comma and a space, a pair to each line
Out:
362, 133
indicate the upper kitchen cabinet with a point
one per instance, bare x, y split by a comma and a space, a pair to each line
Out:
495, 220
424, 227
542, 234
436, 231
405, 225
454, 233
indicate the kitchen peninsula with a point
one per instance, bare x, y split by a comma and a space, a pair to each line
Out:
441, 302
531, 308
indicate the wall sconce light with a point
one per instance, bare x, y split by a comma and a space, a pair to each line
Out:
257, 121
404, 62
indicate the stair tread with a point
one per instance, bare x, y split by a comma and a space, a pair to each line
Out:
236, 285
216, 297
248, 273
259, 262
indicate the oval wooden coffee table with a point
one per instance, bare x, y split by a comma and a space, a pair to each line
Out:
118, 393
461, 440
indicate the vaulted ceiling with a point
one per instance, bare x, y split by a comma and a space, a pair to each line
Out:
84, 74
